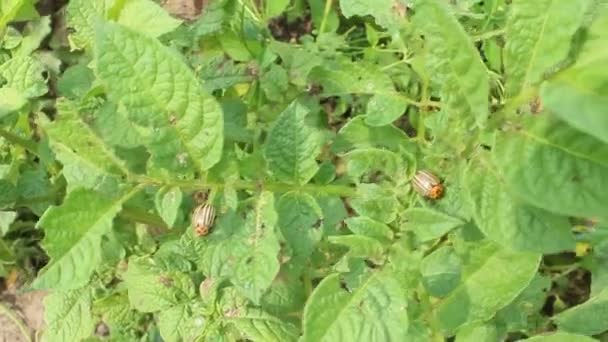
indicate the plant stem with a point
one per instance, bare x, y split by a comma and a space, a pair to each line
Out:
488, 35
17, 140
328, 4
340, 190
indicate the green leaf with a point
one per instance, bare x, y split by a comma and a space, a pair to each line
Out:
292, 145
375, 202
6, 218
11, 100
68, 315
245, 252
299, 220
478, 333
360, 246
346, 77
367, 160
152, 288
34, 33
220, 73
174, 324
357, 134
187, 123
383, 109
557, 168
275, 83
24, 74
429, 224
87, 161
538, 37
9, 194
506, 219
560, 337
579, 95
441, 271
454, 62
588, 318
520, 313
375, 310
168, 200
367, 227
383, 11
147, 17
82, 16
257, 325
486, 287
72, 238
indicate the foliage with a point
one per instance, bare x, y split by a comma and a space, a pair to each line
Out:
303, 123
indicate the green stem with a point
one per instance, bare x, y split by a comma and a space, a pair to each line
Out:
328, 4
340, 190
488, 35
17, 140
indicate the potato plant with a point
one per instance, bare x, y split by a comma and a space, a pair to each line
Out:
307, 170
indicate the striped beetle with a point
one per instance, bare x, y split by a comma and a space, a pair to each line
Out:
202, 219
427, 184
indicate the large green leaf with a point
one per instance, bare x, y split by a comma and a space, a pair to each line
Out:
72, 238
555, 167
243, 251
454, 62
373, 311
82, 16
507, 219
300, 218
579, 95
292, 146
429, 224
358, 134
147, 17
489, 284
441, 271
152, 288
589, 318
257, 325
161, 92
68, 315
87, 161
538, 37
24, 74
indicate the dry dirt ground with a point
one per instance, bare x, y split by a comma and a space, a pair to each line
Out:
21, 315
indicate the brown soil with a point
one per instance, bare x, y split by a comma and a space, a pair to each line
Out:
21, 309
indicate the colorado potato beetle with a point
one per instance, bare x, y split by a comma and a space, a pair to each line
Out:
202, 219
427, 184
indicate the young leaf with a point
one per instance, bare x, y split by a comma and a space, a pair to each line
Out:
362, 161
588, 318
492, 283
292, 146
430, 224
454, 62
358, 134
168, 201
383, 109
478, 333
68, 315
538, 37
152, 288
6, 218
161, 92
373, 311
367, 227
375, 202
82, 16
72, 239
557, 168
578, 95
